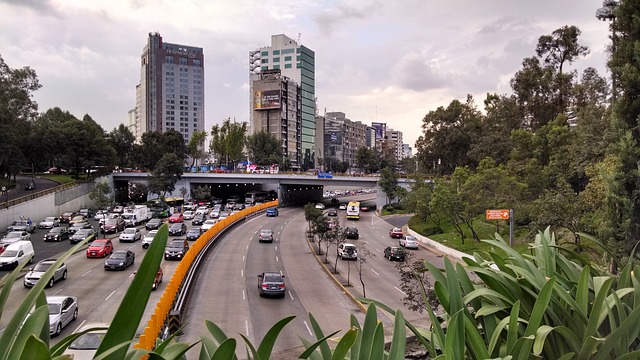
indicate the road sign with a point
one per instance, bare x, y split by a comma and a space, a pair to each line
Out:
497, 214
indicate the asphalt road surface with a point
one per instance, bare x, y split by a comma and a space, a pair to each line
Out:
21, 181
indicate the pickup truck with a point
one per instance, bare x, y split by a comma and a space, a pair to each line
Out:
22, 224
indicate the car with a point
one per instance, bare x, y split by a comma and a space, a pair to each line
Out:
153, 224
158, 279
272, 211
216, 200
239, 206
320, 206
79, 226
224, 215
208, 224
100, 214
62, 311
113, 225
22, 224
15, 253
100, 248
118, 209
130, 235
86, 345
66, 217
229, 205
408, 242
56, 170
176, 218
198, 220
120, 260
347, 251
351, 232
271, 283
148, 238
49, 222
35, 273
82, 235
394, 253
3, 246
29, 185
57, 233
265, 235
189, 214
178, 229
332, 212
342, 207
202, 210
176, 249
214, 214
233, 198
77, 219
364, 208
13, 236
396, 233
193, 234
86, 213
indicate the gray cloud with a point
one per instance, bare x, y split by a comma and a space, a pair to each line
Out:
415, 72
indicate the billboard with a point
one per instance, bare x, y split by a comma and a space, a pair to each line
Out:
380, 129
267, 99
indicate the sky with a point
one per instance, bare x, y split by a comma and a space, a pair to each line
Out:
376, 60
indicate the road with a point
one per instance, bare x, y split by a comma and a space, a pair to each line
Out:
19, 190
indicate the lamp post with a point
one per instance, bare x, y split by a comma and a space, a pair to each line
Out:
606, 13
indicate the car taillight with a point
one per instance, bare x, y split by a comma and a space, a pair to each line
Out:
265, 286
281, 286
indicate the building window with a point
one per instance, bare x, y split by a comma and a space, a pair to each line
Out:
287, 66
264, 68
197, 62
298, 65
183, 61
287, 58
288, 51
276, 59
276, 66
276, 52
264, 53
265, 61
169, 59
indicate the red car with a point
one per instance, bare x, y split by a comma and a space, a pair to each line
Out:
176, 218
396, 233
158, 279
100, 248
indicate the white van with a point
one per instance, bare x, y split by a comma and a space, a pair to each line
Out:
15, 253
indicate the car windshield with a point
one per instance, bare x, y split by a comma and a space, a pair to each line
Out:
410, 238
112, 222
265, 232
194, 231
49, 219
119, 256
209, 222
99, 243
176, 244
20, 223
88, 341
272, 278
54, 309
14, 234
152, 233
129, 231
42, 267
9, 253
55, 230
83, 232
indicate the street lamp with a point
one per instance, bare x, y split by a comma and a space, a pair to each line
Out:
607, 13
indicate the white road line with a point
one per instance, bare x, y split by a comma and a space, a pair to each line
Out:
290, 295
244, 295
375, 272
246, 327
79, 326
88, 271
107, 298
247, 247
132, 274
276, 247
243, 257
277, 259
242, 273
308, 329
403, 293
57, 292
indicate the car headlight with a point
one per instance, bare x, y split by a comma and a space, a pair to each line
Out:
106, 263
121, 264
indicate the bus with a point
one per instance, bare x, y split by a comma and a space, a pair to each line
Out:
256, 196
353, 210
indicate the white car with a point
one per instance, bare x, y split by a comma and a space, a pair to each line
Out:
62, 311
208, 224
342, 207
13, 236
100, 214
36, 272
214, 214
347, 251
86, 345
320, 206
130, 234
49, 222
202, 210
189, 214
408, 242
146, 241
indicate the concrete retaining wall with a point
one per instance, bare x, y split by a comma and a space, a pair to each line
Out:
437, 246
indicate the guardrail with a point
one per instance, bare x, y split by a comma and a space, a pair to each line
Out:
36, 194
179, 287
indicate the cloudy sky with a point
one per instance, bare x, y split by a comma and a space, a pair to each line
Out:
376, 60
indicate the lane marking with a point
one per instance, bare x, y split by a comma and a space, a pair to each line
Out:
290, 295
107, 298
88, 271
308, 329
242, 273
403, 293
375, 272
243, 258
244, 295
276, 247
277, 259
246, 327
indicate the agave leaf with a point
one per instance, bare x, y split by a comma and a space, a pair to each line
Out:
377, 346
311, 347
345, 344
32, 325
476, 344
63, 344
35, 348
490, 309
355, 348
112, 350
537, 315
569, 338
589, 348
207, 349
251, 350
368, 332
582, 293
161, 345
598, 309
226, 350
325, 351
453, 286
496, 334
454, 344
512, 333
541, 336
487, 295
136, 354
630, 356
125, 322
266, 345
399, 340
626, 333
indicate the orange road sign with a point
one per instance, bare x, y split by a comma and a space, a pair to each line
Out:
497, 214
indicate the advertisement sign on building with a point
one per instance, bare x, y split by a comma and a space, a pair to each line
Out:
267, 99
380, 129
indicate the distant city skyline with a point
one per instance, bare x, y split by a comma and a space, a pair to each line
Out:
390, 62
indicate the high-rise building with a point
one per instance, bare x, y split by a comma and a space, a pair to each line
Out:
297, 63
342, 138
275, 109
170, 95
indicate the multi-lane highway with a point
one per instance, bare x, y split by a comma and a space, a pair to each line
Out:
227, 285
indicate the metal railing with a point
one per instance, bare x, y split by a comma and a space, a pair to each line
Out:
36, 194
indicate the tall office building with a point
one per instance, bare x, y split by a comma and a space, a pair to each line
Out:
170, 95
295, 62
343, 138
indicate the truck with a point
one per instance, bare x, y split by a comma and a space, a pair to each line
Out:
136, 215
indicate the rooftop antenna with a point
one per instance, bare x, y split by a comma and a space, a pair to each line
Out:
299, 35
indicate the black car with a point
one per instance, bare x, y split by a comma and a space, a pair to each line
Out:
395, 253
82, 235
178, 229
79, 226
198, 220
120, 260
332, 212
176, 249
29, 185
114, 225
193, 234
351, 232
57, 233
153, 224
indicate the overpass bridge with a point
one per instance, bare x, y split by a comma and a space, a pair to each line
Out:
291, 188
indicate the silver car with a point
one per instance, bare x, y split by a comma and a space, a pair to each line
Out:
36, 272
49, 222
62, 311
13, 236
408, 242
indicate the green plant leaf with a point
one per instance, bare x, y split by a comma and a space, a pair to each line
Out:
454, 344
266, 345
325, 351
125, 322
368, 332
541, 336
226, 350
32, 325
345, 343
399, 340
626, 333
35, 348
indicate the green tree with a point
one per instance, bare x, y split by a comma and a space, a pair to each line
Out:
263, 148
122, 141
228, 141
389, 183
101, 195
166, 174
195, 148
446, 204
